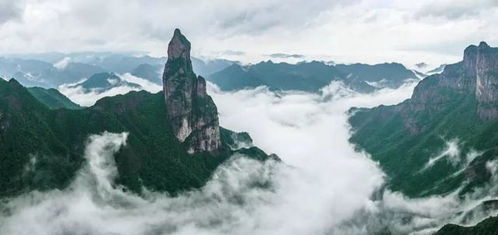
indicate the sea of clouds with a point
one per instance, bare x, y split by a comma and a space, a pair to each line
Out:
323, 185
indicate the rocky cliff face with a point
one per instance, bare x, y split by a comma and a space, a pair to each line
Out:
192, 113
486, 68
476, 75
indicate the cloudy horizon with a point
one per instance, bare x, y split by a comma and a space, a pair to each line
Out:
365, 31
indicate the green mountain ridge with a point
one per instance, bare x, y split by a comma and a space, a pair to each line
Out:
441, 139
311, 76
52, 98
54, 140
488, 226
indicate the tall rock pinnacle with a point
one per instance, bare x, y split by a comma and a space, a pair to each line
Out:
191, 112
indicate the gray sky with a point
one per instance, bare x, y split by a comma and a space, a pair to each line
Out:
370, 31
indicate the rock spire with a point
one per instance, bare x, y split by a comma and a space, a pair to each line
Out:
191, 111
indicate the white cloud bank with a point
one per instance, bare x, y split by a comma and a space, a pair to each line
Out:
324, 187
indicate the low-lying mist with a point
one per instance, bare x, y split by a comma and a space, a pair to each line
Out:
341, 187
84, 98
323, 186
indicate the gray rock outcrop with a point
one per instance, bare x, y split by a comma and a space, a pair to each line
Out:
486, 90
191, 111
476, 75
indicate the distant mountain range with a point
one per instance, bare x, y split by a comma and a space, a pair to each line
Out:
51, 70
43, 74
311, 76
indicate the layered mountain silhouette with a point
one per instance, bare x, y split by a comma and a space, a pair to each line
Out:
311, 76
50, 70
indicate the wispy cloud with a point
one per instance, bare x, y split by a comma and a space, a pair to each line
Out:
284, 55
62, 64
455, 9
10, 10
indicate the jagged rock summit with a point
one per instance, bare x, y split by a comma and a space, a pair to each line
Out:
476, 75
191, 111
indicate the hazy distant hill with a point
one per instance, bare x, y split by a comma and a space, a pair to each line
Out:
101, 82
50, 70
43, 74
311, 76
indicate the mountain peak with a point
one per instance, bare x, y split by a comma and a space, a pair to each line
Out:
476, 75
192, 113
483, 45
14, 82
177, 32
179, 46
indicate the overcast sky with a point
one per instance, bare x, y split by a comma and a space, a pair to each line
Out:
369, 31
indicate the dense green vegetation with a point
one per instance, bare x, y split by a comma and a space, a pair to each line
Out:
52, 98
234, 139
42, 148
488, 226
404, 137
